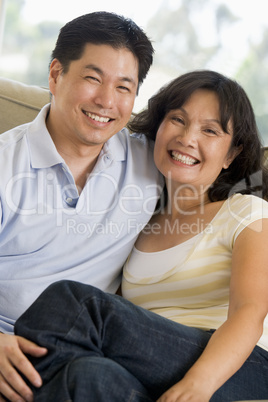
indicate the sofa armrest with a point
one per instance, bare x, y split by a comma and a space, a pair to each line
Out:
20, 103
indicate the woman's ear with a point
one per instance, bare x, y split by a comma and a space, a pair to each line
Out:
232, 154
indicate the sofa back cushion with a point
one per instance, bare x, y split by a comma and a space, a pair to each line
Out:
20, 103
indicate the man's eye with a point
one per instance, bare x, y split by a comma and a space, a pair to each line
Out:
125, 89
90, 77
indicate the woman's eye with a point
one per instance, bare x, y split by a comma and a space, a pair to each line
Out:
210, 131
178, 120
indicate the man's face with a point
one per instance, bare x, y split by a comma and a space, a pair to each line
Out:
94, 99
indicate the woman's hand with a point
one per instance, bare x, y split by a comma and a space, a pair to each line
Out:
12, 359
186, 391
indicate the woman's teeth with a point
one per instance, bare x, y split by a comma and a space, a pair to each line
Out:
183, 158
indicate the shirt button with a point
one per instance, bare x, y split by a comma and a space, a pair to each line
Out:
50, 176
69, 200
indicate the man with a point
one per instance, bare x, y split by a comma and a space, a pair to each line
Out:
75, 188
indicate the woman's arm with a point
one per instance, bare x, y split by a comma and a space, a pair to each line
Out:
233, 342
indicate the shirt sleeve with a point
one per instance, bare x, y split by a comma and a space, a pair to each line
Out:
1, 214
245, 210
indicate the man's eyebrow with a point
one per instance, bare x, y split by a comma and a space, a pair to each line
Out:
100, 71
94, 68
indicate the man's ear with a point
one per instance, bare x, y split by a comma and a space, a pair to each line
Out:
232, 154
55, 71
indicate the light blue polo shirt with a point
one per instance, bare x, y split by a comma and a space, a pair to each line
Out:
49, 232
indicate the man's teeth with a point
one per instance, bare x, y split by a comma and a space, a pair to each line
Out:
97, 118
183, 158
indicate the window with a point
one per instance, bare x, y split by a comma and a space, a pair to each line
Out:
224, 35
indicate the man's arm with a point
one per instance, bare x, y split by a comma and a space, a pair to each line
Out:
12, 359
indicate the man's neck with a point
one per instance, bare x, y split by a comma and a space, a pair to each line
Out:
80, 158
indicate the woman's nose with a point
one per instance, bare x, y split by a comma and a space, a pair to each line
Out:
187, 136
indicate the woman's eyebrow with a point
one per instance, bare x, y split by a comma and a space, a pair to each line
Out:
206, 120
213, 120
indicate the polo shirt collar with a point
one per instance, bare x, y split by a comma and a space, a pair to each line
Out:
44, 154
116, 146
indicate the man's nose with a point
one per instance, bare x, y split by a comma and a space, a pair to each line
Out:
105, 97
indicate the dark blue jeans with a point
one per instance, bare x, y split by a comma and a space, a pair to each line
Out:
104, 348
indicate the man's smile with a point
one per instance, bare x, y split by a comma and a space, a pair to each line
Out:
95, 117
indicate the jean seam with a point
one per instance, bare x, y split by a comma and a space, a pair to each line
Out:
100, 300
72, 325
81, 310
184, 339
135, 393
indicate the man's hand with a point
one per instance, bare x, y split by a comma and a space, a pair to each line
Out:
12, 359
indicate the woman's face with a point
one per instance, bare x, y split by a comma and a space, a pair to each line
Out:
191, 147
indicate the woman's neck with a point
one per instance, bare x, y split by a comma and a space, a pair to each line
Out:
185, 202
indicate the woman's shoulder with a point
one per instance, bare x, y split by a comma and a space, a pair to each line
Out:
246, 200
247, 207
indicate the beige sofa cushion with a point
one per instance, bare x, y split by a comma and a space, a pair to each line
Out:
20, 103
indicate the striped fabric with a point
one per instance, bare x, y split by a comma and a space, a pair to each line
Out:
189, 283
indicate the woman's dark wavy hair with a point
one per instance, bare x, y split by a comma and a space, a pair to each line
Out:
246, 174
103, 28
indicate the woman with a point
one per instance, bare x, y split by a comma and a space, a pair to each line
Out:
201, 262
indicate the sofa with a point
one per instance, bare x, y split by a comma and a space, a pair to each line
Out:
20, 103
